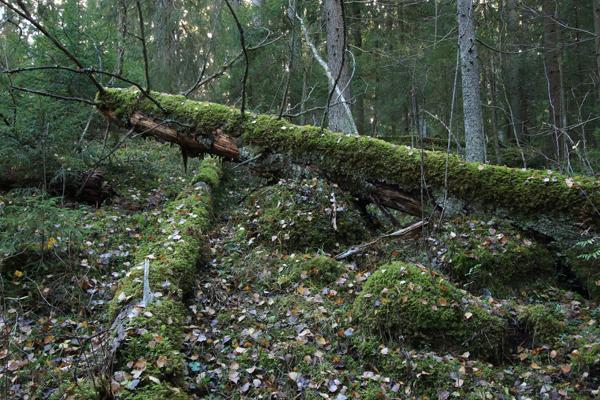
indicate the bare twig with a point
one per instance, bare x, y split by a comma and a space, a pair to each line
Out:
86, 71
245, 52
55, 96
22, 11
265, 42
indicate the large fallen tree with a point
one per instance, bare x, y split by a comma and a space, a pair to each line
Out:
373, 170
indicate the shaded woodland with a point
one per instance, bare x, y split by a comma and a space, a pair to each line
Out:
334, 199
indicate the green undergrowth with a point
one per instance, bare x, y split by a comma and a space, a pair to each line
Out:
523, 191
492, 255
584, 260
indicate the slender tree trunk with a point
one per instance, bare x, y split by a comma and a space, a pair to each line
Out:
122, 35
359, 105
553, 75
474, 135
496, 132
597, 42
513, 75
338, 63
165, 58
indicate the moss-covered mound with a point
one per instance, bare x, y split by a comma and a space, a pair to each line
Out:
543, 323
494, 256
317, 270
418, 305
300, 216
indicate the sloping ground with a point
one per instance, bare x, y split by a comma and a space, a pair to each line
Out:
270, 314
274, 320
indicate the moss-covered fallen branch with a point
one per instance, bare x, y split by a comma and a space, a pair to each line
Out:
220, 130
147, 338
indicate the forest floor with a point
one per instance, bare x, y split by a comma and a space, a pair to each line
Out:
476, 310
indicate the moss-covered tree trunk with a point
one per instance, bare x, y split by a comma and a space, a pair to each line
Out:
373, 170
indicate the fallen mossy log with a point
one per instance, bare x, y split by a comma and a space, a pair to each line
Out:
371, 169
147, 310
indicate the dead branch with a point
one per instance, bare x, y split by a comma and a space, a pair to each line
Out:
401, 233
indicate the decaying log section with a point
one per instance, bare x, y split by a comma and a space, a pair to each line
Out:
370, 168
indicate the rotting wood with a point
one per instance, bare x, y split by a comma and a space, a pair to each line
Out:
371, 169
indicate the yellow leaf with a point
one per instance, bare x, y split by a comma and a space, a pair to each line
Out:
50, 243
18, 274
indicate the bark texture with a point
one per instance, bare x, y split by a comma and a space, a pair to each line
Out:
469, 68
553, 74
371, 169
337, 61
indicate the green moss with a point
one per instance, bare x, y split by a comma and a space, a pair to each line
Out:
209, 171
494, 256
318, 270
586, 359
298, 216
154, 391
525, 191
544, 323
81, 390
404, 300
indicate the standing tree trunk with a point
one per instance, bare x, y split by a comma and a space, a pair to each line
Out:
122, 36
553, 75
469, 67
513, 76
359, 106
337, 61
597, 32
165, 58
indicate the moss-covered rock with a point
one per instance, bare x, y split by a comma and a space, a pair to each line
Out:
298, 216
544, 323
419, 305
317, 270
492, 255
